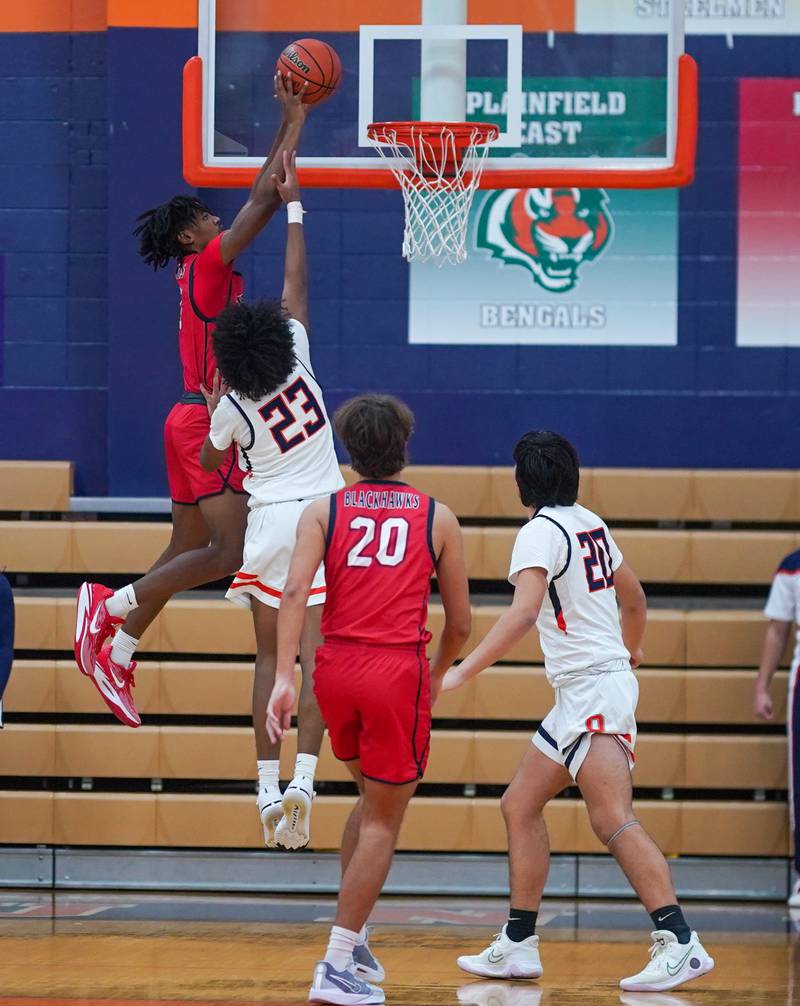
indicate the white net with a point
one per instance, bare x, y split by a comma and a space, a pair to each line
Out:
438, 167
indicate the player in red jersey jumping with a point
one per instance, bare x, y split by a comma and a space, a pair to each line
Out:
209, 509
381, 541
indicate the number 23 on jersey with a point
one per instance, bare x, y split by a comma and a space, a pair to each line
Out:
295, 406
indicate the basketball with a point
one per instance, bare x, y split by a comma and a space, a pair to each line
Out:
309, 59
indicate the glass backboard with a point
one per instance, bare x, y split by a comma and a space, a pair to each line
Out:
577, 95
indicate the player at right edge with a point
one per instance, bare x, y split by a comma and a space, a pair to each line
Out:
568, 575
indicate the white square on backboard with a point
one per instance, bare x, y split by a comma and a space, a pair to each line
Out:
511, 34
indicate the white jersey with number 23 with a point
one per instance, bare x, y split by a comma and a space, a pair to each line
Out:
285, 439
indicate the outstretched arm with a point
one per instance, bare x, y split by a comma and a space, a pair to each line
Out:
295, 271
264, 198
507, 631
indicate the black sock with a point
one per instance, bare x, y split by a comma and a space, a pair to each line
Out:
671, 918
520, 925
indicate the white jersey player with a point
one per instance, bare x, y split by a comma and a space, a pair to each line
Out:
267, 400
585, 658
782, 609
569, 576
286, 447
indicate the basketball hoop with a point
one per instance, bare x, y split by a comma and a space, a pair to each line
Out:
438, 166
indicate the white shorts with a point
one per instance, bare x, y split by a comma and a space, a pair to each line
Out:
601, 703
268, 546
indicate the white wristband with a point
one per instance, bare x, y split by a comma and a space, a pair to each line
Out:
294, 212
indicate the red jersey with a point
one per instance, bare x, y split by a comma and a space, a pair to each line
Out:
378, 564
207, 284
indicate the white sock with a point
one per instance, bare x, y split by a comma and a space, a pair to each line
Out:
122, 602
123, 648
269, 774
305, 764
340, 948
362, 936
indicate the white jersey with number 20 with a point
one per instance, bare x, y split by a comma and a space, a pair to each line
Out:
578, 624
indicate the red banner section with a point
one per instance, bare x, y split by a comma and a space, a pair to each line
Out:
769, 213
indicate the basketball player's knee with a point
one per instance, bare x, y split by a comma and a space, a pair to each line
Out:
517, 807
606, 821
226, 557
383, 824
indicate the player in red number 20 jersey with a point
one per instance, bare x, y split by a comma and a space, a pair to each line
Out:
381, 541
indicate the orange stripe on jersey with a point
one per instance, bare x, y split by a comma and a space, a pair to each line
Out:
271, 590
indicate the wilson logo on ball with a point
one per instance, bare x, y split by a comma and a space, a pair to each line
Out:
292, 55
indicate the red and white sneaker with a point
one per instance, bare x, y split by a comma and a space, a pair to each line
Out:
93, 625
114, 683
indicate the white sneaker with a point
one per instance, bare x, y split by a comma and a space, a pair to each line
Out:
505, 959
671, 964
794, 898
294, 829
500, 994
270, 810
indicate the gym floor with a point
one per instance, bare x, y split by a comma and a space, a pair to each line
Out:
99, 950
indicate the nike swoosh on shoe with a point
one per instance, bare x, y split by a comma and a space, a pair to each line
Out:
679, 965
116, 680
94, 628
343, 983
105, 686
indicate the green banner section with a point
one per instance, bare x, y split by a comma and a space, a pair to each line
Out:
577, 116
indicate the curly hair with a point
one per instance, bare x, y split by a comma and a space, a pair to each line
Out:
254, 347
158, 229
375, 430
547, 472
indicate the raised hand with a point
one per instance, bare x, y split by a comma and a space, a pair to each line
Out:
288, 187
290, 99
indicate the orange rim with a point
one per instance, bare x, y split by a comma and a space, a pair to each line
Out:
464, 134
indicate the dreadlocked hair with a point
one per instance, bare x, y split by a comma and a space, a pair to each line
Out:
254, 347
158, 229
375, 430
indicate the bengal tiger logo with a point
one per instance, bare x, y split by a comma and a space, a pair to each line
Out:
550, 232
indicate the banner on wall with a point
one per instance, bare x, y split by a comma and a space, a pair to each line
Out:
562, 266
769, 210
703, 17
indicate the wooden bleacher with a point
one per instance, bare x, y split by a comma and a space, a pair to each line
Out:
707, 772
659, 556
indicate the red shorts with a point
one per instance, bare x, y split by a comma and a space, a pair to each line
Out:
376, 704
185, 431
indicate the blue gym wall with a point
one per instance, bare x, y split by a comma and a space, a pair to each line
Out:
90, 136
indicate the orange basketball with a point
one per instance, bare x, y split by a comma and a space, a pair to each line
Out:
315, 61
